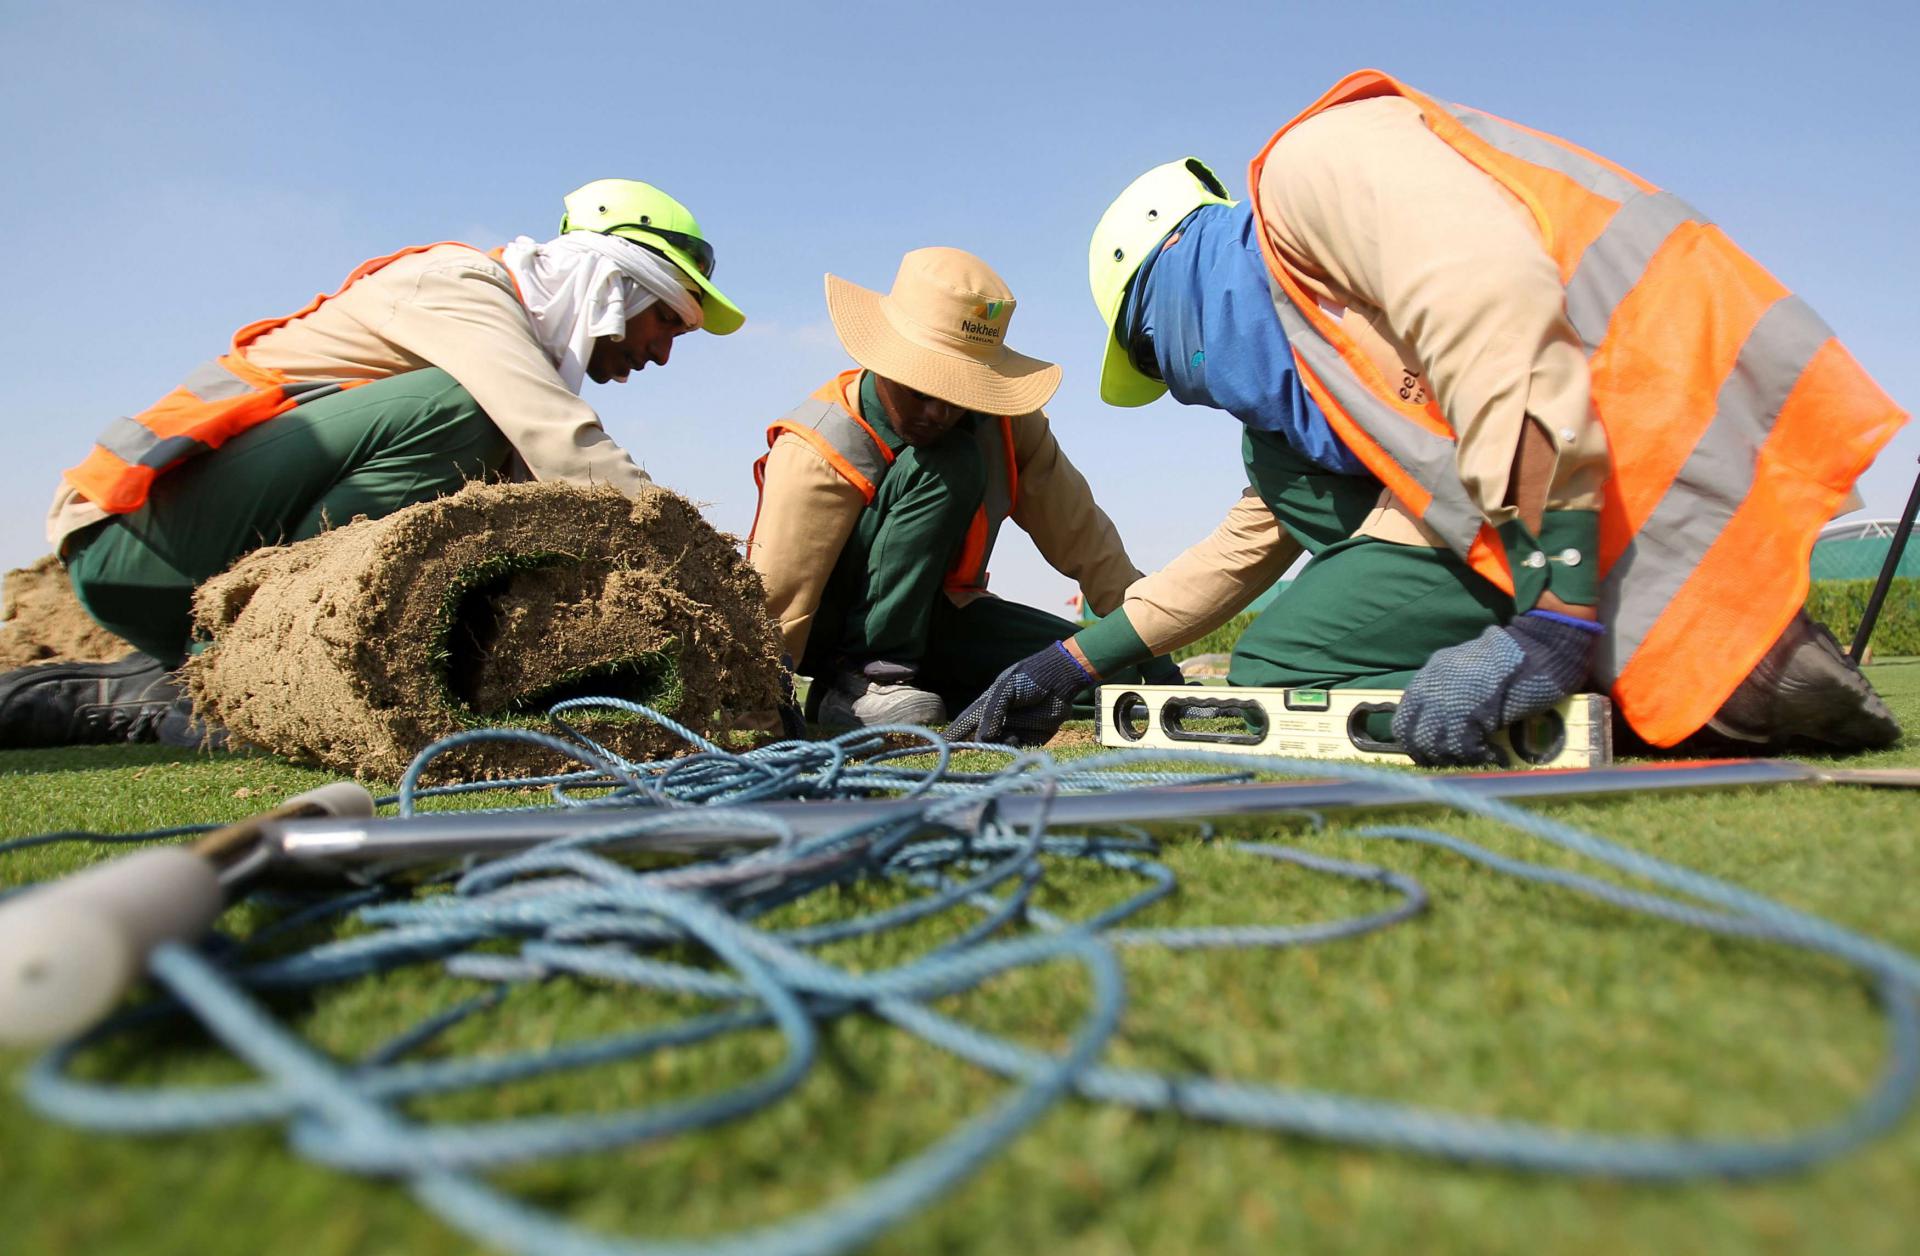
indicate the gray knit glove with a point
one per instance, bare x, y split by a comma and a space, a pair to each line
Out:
1467, 692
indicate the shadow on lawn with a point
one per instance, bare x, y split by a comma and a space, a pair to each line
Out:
112, 758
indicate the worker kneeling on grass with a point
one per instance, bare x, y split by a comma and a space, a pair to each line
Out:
1538, 423
881, 496
428, 368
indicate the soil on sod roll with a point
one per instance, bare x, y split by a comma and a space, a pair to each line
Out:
44, 622
361, 646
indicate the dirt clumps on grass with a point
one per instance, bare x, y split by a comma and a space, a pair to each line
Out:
357, 648
44, 622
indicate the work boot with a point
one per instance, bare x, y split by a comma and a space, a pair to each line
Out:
879, 693
82, 704
179, 726
1806, 692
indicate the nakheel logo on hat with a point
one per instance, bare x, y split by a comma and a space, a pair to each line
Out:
942, 331
986, 326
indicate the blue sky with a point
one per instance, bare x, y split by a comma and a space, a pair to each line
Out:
172, 171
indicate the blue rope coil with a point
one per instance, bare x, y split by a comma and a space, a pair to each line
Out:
566, 909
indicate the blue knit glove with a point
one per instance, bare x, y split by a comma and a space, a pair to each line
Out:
1026, 704
1467, 692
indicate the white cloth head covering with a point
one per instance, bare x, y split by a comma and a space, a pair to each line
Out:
584, 285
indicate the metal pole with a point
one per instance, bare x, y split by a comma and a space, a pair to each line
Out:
449, 835
1894, 551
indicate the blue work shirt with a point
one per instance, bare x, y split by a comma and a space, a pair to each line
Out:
1204, 304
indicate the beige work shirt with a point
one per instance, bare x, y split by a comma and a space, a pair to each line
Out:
453, 308
808, 510
1438, 273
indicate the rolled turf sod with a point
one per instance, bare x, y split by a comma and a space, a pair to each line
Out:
357, 648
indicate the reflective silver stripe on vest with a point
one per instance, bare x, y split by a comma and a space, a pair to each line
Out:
126, 440
1511, 140
139, 445
1618, 257
1431, 460
211, 381
301, 394
1712, 483
171, 450
847, 438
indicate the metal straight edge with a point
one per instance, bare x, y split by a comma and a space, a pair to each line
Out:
453, 835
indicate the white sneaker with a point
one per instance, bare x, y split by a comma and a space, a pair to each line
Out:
856, 700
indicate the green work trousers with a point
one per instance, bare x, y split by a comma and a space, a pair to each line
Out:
1364, 613
879, 601
970, 645
365, 451
885, 601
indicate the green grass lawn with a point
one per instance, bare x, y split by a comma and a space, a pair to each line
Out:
1505, 1000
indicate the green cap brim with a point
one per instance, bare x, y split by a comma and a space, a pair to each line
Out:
1121, 383
718, 315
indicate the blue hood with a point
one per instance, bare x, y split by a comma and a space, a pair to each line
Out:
1203, 304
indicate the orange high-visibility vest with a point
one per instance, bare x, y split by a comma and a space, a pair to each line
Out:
219, 400
1736, 423
830, 421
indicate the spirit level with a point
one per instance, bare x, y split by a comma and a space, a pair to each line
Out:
1330, 724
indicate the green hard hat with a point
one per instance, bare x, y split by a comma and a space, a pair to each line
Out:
1128, 232
644, 214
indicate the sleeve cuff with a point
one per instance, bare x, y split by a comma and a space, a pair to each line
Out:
1571, 539
1564, 559
1112, 643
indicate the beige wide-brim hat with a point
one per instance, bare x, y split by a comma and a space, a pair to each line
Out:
942, 331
